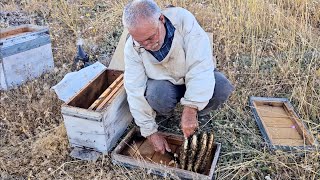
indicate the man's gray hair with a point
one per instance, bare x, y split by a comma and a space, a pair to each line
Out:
140, 9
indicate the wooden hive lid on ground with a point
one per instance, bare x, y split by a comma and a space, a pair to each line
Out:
280, 126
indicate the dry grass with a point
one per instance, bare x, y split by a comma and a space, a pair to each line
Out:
266, 47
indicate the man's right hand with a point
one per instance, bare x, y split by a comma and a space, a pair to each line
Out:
159, 143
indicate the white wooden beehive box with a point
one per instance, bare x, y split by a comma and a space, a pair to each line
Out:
25, 53
97, 130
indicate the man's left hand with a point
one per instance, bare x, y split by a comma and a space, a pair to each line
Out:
189, 121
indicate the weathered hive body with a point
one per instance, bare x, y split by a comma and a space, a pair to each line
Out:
280, 126
97, 129
25, 53
135, 151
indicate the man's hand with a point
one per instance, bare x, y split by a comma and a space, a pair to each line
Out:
159, 143
189, 121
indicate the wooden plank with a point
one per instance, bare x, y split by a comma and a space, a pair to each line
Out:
275, 103
263, 123
271, 111
113, 92
289, 142
164, 158
299, 126
277, 122
283, 133
81, 113
106, 93
28, 44
133, 147
115, 95
3, 81
125, 141
145, 151
14, 32
116, 118
90, 134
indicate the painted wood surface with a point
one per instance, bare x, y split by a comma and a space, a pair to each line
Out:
97, 129
117, 61
81, 113
135, 151
3, 82
279, 124
27, 65
85, 133
116, 117
25, 54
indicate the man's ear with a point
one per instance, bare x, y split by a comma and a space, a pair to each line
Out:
162, 19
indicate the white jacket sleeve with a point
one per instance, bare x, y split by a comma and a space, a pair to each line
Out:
199, 78
135, 80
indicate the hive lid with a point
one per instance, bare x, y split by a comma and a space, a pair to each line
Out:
73, 82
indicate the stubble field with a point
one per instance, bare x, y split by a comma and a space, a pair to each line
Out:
265, 47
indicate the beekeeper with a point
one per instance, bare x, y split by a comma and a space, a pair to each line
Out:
168, 59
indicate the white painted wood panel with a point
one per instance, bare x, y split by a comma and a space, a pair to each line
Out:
97, 129
85, 133
116, 118
3, 83
30, 64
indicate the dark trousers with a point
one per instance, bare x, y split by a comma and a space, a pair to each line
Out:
163, 96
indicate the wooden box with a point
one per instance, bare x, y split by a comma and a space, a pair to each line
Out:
98, 130
25, 53
135, 151
280, 126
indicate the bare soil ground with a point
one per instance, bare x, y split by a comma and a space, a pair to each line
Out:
266, 48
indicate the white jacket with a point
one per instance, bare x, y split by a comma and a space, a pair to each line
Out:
188, 62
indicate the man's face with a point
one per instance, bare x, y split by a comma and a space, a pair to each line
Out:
150, 36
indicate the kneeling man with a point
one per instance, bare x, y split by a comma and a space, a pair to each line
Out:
168, 59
